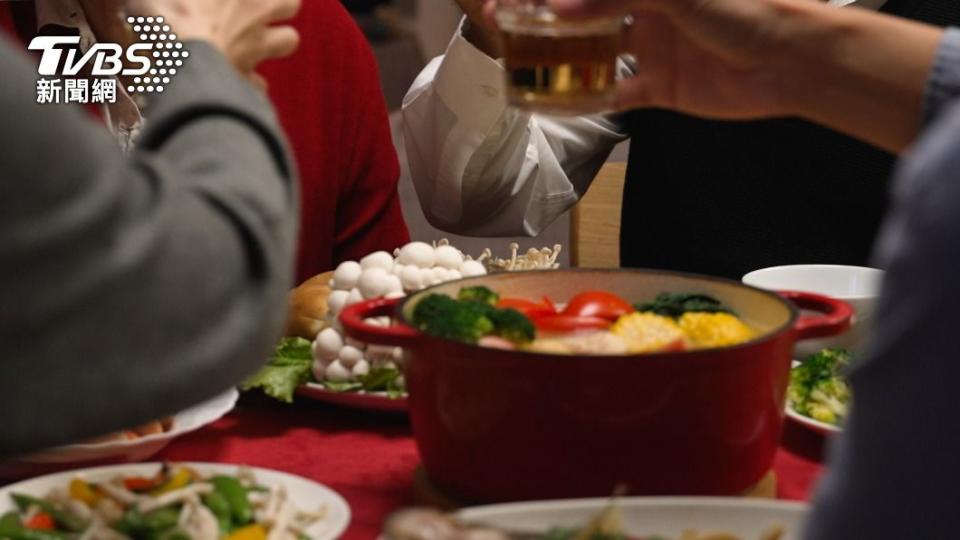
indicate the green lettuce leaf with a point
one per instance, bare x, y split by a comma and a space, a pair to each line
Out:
288, 368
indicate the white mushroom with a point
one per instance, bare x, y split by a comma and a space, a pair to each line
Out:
355, 297
336, 372
395, 295
412, 278
355, 343
361, 368
472, 269
448, 257
327, 345
336, 301
346, 275
380, 352
349, 356
397, 269
319, 368
373, 282
417, 253
379, 259
392, 284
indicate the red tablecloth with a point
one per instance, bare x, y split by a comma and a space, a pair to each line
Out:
370, 458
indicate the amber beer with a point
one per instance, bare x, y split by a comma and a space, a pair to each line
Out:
559, 67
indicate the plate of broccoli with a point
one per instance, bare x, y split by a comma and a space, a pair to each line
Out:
819, 396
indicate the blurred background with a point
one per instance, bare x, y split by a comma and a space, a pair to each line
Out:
405, 35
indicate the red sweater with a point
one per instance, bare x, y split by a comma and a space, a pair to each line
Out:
330, 103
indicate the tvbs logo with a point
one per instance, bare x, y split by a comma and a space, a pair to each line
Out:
147, 65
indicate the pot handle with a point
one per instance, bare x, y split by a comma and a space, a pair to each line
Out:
835, 318
398, 335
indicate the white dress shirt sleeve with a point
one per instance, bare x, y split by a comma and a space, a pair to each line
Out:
484, 169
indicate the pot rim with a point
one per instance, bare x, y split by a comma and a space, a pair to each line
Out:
788, 326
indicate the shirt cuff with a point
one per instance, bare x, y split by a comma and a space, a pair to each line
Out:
944, 83
471, 83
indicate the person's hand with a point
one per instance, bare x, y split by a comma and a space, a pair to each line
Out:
242, 30
480, 28
714, 58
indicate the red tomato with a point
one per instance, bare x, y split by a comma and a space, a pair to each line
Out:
598, 304
568, 323
41, 521
531, 309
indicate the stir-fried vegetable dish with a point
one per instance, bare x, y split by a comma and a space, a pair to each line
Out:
177, 503
593, 322
818, 388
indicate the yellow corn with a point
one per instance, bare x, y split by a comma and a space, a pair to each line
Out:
714, 329
647, 332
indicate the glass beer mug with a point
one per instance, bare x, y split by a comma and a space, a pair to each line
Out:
557, 66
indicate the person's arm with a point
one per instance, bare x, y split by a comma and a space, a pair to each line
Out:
894, 471
482, 168
856, 71
132, 288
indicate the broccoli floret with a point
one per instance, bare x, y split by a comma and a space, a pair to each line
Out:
817, 387
479, 294
512, 325
442, 316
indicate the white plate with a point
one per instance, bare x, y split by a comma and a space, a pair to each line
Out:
647, 516
374, 401
140, 448
305, 494
809, 423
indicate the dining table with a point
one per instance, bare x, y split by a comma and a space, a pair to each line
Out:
371, 458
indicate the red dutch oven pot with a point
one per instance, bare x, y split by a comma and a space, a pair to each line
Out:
494, 425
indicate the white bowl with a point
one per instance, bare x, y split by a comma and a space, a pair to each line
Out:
857, 285
651, 516
120, 451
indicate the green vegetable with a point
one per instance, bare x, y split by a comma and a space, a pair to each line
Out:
11, 529
442, 316
676, 304
63, 518
133, 523
378, 379
478, 294
384, 379
220, 508
513, 326
468, 320
817, 387
289, 367
236, 496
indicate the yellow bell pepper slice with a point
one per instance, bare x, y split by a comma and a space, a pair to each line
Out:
84, 492
250, 532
